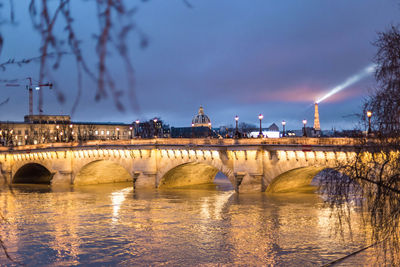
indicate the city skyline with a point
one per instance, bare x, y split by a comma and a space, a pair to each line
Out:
230, 57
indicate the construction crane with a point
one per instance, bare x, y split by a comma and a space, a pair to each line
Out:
29, 87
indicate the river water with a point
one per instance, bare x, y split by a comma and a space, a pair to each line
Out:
207, 225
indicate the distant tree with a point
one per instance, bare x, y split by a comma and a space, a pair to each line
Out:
91, 129
45, 133
153, 128
7, 134
81, 133
247, 127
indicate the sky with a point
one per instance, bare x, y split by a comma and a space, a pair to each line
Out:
232, 57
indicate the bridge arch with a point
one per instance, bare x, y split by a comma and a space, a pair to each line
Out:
294, 179
101, 172
32, 173
192, 173
299, 178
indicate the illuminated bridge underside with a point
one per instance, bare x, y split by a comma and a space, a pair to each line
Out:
189, 174
102, 172
294, 179
251, 165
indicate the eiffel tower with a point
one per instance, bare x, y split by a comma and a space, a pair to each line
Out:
317, 127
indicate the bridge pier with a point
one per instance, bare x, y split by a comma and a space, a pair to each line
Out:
238, 180
6, 176
61, 178
135, 176
252, 182
146, 179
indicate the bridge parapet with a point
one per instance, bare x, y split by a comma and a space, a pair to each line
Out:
173, 142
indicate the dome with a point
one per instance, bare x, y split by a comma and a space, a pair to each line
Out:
201, 120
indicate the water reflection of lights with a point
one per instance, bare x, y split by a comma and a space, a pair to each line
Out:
324, 220
211, 207
117, 198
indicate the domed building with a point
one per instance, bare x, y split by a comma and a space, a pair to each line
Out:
201, 127
201, 119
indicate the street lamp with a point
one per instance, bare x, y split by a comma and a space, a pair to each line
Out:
155, 127
369, 115
57, 127
260, 134
71, 133
130, 131
117, 133
237, 129
304, 128
137, 127
283, 126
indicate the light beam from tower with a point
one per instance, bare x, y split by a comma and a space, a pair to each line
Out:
350, 81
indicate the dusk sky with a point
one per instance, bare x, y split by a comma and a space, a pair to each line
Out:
233, 57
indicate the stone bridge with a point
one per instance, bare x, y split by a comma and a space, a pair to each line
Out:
252, 165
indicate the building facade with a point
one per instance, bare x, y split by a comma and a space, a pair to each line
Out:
38, 129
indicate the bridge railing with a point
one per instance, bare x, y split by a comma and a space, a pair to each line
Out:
192, 141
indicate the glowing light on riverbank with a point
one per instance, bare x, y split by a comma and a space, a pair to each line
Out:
350, 81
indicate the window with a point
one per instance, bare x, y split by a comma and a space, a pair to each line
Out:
102, 132
26, 131
19, 131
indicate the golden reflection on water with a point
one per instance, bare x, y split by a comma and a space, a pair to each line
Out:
212, 207
117, 198
204, 225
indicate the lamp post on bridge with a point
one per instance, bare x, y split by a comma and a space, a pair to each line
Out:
155, 127
71, 133
260, 134
304, 128
137, 128
369, 115
56, 137
237, 129
283, 128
